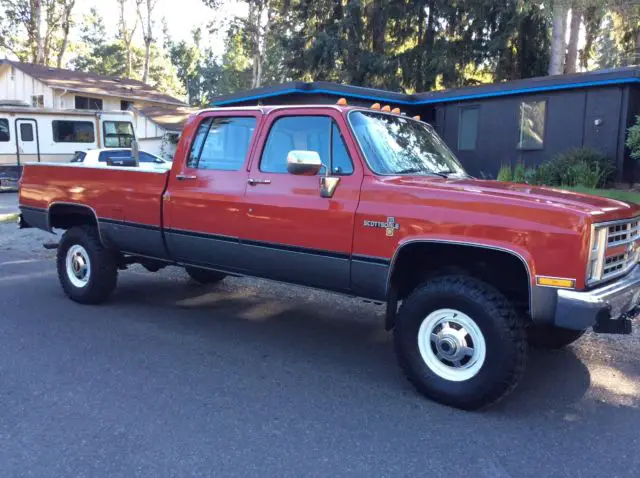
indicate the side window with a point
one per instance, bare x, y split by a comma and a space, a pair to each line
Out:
113, 154
196, 144
26, 132
532, 119
309, 133
340, 160
468, 129
147, 158
222, 143
4, 131
73, 131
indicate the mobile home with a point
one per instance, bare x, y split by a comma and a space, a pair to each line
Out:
30, 135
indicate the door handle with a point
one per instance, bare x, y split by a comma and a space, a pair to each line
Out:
183, 177
253, 182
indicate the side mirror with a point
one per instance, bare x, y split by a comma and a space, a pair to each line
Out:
303, 163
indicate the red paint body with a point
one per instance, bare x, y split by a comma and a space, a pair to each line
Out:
549, 229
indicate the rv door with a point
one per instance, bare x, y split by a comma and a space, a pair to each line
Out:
27, 141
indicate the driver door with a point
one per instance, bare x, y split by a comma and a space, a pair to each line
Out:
291, 232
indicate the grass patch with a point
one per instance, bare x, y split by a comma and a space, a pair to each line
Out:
13, 217
620, 194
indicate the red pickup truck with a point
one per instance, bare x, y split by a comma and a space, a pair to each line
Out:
365, 202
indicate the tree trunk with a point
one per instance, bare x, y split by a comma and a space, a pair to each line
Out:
378, 25
572, 49
558, 46
148, 37
66, 26
636, 51
36, 19
592, 20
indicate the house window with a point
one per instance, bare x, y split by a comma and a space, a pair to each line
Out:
117, 134
37, 101
532, 124
13, 72
468, 129
4, 131
86, 103
125, 105
73, 131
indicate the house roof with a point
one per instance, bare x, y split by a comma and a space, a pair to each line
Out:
531, 85
93, 84
171, 118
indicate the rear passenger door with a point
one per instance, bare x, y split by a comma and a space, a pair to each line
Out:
292, 232
203, 205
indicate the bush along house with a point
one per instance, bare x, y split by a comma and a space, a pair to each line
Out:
488, 126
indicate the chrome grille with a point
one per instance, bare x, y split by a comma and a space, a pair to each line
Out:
622, 233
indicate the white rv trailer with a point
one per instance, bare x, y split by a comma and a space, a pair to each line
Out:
29, 135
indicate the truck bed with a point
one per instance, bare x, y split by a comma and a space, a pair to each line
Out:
119, 198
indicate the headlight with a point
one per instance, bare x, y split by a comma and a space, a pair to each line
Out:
596, 253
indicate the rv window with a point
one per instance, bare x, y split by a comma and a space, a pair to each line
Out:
532, 118
117, 134
4, 131
26, 131
86, 103
73, 131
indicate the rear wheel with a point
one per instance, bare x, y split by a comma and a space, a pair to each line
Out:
460, 342
205, 276
549, 337
87, 270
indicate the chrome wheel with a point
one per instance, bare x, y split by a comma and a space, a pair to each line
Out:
78, 266
452, 345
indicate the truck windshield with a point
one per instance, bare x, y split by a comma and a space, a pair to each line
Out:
396, 145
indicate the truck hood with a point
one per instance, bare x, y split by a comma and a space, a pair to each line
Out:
599, 208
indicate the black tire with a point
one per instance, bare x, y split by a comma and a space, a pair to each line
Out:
103, 264
503, 331
205, 276
550, 337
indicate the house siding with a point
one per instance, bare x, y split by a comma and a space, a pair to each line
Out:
22, 87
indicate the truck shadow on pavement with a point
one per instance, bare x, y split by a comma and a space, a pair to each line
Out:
342, 336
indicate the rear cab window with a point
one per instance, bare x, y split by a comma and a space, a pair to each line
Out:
222, 143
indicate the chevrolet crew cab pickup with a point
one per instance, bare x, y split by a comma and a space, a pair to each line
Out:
362, 202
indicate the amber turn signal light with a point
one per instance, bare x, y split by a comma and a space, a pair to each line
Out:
556, 282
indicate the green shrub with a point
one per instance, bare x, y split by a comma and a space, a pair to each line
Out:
531, 176
578, 167
505, 174
519, 173
633, 139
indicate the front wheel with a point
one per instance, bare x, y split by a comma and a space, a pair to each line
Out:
460, 342
87, 271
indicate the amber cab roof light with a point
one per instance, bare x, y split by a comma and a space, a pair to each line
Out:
342, 102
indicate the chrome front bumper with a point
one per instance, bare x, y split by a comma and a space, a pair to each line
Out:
608, 309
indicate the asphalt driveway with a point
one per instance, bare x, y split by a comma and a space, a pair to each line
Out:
251, 378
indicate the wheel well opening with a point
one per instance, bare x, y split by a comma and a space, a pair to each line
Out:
503, 270
66, 216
